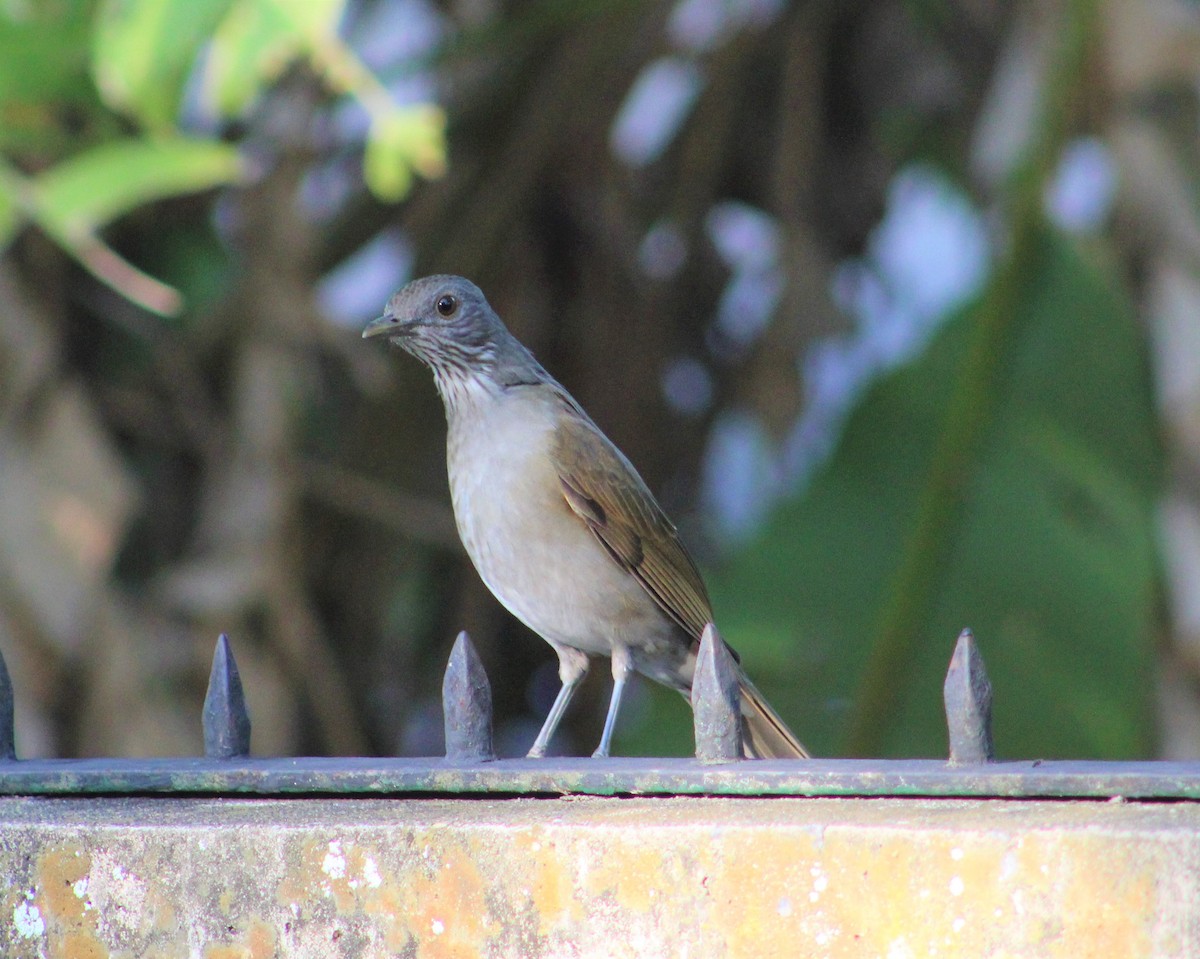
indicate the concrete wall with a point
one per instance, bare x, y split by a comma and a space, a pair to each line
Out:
582, 876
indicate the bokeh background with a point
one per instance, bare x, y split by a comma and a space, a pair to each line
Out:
895, 304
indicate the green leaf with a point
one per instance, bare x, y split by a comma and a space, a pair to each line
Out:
44, 77
1049, 552
10, 211
43, 53
144, 50
74, 199
83, 193
401, 142
257, 41
315, 19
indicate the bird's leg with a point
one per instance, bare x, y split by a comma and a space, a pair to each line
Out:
622, 666
572, 667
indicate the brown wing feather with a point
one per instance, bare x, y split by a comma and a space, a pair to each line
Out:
605, 491
607, 494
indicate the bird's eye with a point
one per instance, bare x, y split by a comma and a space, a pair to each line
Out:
446, 304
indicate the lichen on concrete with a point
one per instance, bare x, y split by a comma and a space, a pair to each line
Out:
640, 877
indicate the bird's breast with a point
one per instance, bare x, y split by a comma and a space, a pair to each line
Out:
532, 551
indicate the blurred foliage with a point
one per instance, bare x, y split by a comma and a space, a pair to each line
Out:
142, 55
252, 467
1048, 553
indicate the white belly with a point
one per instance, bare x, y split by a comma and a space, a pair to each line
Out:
532, 551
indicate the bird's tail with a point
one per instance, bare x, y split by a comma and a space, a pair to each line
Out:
764, 734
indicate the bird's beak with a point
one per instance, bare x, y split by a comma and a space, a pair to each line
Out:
382, 326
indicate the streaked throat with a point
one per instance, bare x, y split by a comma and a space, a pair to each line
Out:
462, 385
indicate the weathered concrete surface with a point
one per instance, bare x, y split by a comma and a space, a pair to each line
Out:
249, 879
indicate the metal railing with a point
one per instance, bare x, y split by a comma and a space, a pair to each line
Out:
470, 767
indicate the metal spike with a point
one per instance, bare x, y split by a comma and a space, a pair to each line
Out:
8, 749
716, 701
467, 705
226, 721
968, 696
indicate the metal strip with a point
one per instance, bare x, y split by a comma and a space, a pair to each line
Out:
1074, 779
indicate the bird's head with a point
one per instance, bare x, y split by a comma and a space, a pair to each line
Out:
444, 321
447, 323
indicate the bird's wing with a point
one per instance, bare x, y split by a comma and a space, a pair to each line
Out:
605, 491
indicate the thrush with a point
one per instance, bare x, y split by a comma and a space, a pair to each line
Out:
558, 523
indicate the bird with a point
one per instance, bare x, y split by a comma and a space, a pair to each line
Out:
556, 520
